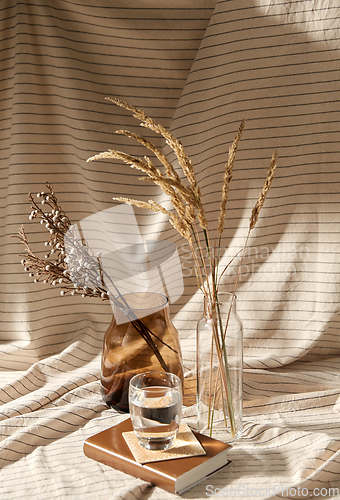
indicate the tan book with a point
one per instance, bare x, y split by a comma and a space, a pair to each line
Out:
176, 475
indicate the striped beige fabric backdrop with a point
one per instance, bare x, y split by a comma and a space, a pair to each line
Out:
198, 67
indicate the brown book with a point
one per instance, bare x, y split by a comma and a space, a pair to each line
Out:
175, 475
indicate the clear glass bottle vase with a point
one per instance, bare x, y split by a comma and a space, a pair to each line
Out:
220, 367
140, 338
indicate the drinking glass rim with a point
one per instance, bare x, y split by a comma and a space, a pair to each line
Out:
150, 373
142, 307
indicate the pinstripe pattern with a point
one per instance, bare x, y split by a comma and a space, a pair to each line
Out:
197, 68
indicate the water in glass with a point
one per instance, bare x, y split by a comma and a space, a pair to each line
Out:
156, 412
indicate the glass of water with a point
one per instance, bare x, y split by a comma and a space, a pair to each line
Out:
155, 403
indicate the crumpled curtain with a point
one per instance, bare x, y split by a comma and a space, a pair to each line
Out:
276, 66
198, 68
60, 61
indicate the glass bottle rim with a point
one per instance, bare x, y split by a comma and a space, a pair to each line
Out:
229, 295
142, 301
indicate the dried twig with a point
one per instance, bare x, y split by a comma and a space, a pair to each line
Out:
260, 202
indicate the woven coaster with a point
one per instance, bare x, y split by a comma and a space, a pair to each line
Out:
186, 445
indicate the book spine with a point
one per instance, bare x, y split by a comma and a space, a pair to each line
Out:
129, 467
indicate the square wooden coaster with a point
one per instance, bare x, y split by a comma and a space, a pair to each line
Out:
186, 445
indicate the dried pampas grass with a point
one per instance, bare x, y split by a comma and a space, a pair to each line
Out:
188, 212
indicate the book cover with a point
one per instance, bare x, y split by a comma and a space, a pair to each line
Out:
177, 475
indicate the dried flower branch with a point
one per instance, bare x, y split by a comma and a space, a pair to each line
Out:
228, 177
186, 200
171, 172
72, 264
172, 141
176, 146
260, 202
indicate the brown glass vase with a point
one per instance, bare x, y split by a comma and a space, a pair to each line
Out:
140, 338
